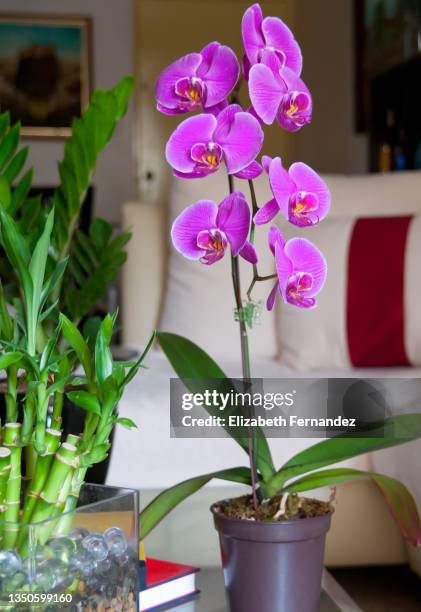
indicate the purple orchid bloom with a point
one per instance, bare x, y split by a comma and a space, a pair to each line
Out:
267, 37
200, 144
197, 80
301, 195
277, 93
204, 230
301, 270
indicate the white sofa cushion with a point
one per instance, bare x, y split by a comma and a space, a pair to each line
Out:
198, 300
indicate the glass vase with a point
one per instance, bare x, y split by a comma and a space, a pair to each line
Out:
86, 559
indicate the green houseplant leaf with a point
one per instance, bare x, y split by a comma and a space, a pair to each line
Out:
170, 498
400, 501
191, 362
394, 431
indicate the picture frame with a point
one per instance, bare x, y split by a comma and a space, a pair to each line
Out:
45, 71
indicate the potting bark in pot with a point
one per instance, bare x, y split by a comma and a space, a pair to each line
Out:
272, 543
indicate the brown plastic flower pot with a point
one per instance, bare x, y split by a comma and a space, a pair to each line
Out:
274, 566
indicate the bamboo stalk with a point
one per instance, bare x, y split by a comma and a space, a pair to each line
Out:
5, 467
11, 514
11, 395
66, 520
52, 442
56, 418
65, 461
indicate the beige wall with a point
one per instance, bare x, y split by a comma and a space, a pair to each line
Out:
112, 58
325, 31
165, 30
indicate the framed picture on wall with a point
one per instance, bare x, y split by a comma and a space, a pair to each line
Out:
45, 75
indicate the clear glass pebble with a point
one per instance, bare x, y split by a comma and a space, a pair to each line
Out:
48, 574
62, 548
10, 584
10, 563
116, 540
78, 534
96, 545
84, 563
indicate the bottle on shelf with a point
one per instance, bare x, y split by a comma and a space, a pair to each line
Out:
388, 143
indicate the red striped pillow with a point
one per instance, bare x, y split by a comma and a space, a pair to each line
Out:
369, 312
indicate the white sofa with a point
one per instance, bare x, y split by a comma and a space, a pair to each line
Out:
157, 292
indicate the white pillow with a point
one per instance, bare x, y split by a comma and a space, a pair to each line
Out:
199, 300
320, 338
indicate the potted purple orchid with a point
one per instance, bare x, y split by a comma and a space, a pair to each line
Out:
272, 541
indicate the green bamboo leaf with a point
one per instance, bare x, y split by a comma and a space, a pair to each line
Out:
103, 356
85, 400
5, 193
6, 322
170, 498
97, 455
53, 280
9, 359
127, 423
394, 431
75, 340
138, 364
400, 501
15, 165
9, 145
17, 253
191, 362
38, 264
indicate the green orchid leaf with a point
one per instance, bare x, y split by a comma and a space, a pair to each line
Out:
85, 400
192, 363
170, 498
400, 501
394, 431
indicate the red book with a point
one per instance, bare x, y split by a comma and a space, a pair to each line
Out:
167, 584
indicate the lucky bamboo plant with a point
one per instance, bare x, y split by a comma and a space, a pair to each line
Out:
223, 134
95, 254
41, 470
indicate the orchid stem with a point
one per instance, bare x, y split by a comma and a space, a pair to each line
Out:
245, 359
256, 275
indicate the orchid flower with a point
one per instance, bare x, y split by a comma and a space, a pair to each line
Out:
276, 92
197, 80
301, 270
200, 144
300, 194
267, 37
203, 231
